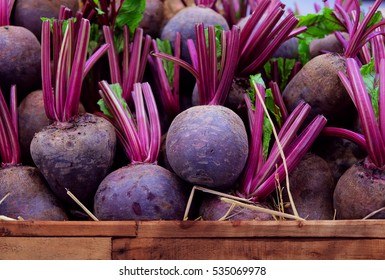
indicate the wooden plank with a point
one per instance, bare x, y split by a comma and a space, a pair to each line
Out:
68, 228
54, 248
231, 229
247, 249
195, 229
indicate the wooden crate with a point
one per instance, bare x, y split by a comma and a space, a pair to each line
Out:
193, 240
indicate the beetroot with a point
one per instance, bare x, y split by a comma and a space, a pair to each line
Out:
359, 192
29, 195
207, 145
77, 150
361, 189
28, 13
20, 60
23, 191
318, 83
142, 190
76, 155
330, 43
153, 16
214, 209
312, 195
184, 23
32, 119
332, 101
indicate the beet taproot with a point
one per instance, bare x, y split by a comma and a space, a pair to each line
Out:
312, 186
29, 195
141, 192
327, 44
32, 119
207, 145
28, 13
359, 192
318, 84
339, 153
76, 156
152, 20
184, 22
20, 57
213, 208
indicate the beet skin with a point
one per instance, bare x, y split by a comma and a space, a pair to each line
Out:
184, 22
312, 186
75, 156
319, 85
214, 209
20, 56
207, 145
359, 192
29, 196
141, 192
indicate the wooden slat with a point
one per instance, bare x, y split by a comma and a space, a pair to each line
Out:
68, 228
196, 229
227, 229
55, 248
248, 249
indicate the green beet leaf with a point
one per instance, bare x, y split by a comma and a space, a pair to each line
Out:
285, 67
271, 107
368, 73
118, 91
165, 47
318, 26
218, 40
130, 14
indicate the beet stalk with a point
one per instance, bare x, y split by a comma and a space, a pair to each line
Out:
76, 151
27, 193
360, 189
207, 144
142, 190
318, 84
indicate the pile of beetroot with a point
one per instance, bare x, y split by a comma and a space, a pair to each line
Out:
206, 109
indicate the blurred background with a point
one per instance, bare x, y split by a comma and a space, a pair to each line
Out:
307, 6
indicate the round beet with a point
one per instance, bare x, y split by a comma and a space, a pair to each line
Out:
207, 145
76, 156
141, 192
359, 192
28, 13
32, 119
184, 22
214, 209
153, 16
329, 43
20, 65
29, 196
288, 49
312, 186
319, 85
339, 153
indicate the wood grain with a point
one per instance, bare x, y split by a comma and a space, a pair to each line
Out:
193, 240
230, 229
193, 229
55, 248
68, 228
247, 249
